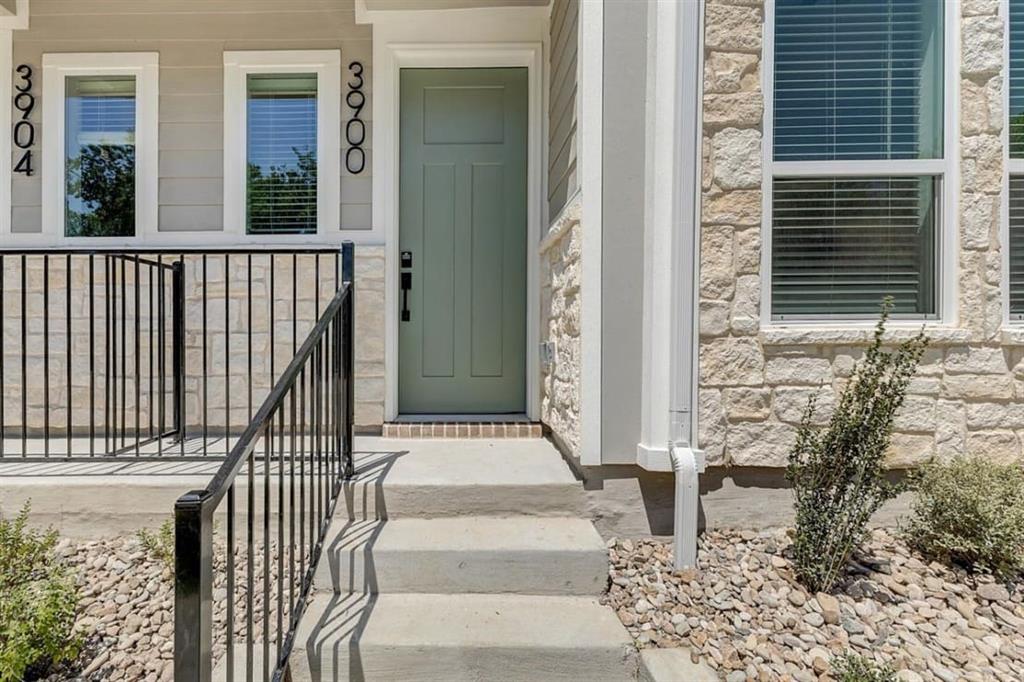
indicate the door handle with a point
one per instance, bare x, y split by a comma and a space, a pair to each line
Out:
406, 285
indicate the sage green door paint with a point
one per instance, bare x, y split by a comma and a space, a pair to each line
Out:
462, 216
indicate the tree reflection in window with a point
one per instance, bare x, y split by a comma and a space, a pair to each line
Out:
281, 134
100, 161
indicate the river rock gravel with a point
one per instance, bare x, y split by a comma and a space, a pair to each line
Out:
126, 610
742, 612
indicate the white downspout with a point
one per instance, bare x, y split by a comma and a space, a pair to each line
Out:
687, 465
687, 461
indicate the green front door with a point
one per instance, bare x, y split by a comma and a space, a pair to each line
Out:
462, 236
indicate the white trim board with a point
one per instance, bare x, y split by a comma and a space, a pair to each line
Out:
509, 38
590, 160
145, 66
326, 64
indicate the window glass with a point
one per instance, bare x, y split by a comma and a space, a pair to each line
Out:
281, 153
99, 156
840, 245
1016, 274
858, 79
1016, 79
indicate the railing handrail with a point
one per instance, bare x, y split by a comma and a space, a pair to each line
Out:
214, 492
328, 349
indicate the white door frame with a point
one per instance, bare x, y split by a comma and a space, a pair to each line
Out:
389, 59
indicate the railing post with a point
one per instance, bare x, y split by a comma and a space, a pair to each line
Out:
348, 267
193, 589
178, 345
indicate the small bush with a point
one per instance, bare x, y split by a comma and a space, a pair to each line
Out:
854, 668
837, 472
38, 601
970, 512
160, 545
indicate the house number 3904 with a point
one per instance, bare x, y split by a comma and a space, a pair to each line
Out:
355, 129
24, 130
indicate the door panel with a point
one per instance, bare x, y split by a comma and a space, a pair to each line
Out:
462, 217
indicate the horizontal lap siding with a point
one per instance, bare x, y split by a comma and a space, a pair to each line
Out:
562, 111
191, 37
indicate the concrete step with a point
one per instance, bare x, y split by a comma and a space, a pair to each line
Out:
520, 555
431, 478
451, 638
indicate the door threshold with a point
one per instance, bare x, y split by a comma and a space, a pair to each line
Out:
463, 427
460, 418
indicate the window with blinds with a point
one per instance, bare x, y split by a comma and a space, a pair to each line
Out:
856, 80
99, 156
281, 153
1016, 246
1016, 37
840, 245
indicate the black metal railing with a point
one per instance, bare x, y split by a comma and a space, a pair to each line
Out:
153, 352
288, 467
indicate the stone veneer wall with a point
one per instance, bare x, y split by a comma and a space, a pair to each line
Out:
369, 367
754, 383
560, 323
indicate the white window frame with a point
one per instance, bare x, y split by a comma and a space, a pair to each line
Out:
945, 169
145, 66
1011, 167
326, 64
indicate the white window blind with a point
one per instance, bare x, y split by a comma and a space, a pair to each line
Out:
281, 134
99, 140
1016, 260
840, 245
1016, 37
856, 80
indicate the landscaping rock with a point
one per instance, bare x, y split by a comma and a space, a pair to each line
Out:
126, 609
743, 613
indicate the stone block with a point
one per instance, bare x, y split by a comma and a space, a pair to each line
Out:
741, 109
917, 414
976, 360
790, 404
747, 251
909, 450
731, 362
995, 415
1000, 446
716, 271
724, 71
747, 403
738, 207
714, 318
765, 444
981, 44
972, 387
731, 28
736, 155
790, 370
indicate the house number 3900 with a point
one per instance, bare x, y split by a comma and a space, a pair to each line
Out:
355, 129
24, 130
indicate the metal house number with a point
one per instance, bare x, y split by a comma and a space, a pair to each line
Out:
24, 130
355, 129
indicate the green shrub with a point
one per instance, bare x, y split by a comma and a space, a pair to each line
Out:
853, 668
837, 472
160, 545
970, 512
38, 601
